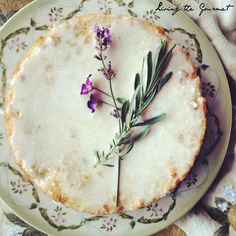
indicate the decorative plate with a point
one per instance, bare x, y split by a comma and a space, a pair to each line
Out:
23, 197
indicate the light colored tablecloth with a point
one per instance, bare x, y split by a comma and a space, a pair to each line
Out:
207, 218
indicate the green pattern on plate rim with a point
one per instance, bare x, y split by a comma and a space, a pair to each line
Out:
32, 205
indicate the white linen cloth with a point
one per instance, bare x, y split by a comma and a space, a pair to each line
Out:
220, 27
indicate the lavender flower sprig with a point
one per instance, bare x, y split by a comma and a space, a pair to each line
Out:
103, 40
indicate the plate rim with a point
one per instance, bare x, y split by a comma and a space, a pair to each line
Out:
5, 29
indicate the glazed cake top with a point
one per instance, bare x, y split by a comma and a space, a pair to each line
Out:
54, 135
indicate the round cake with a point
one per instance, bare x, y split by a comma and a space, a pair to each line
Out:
56, 129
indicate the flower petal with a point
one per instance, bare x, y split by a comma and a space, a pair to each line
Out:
103, 37
89, 83
87, 87
92, 103
84, 89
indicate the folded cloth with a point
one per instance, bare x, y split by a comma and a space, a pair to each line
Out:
216, 212
220, 27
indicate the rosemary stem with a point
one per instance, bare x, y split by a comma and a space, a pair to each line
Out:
99, 90
113, 148
120, 131
118, 182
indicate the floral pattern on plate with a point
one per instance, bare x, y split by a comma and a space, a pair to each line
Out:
55, 216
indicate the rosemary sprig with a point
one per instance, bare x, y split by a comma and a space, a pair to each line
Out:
130, 115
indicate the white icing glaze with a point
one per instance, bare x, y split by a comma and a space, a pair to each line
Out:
55, 135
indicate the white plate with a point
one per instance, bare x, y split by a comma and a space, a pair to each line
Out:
31, 204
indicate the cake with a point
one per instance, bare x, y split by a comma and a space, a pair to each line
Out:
54, 135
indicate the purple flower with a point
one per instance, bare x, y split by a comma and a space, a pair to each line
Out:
92, 103
107, 35
108, 73
114, 114
103, 37
87, 87
104, 72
